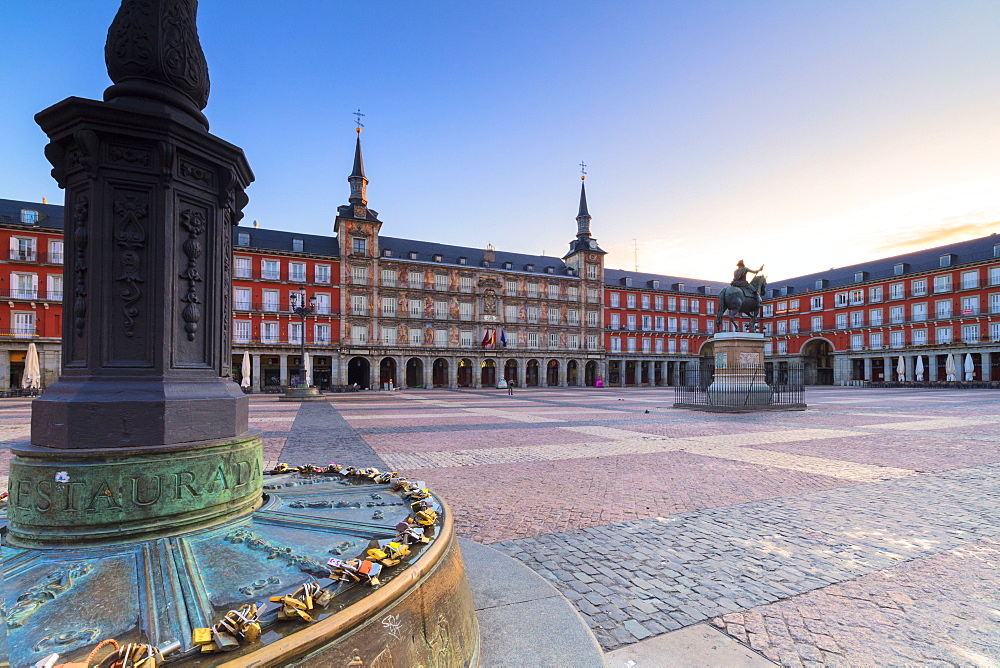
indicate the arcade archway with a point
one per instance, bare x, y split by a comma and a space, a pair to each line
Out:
531, 373
590, 374
817, 360
359, 372
439, 373
510, 371
488, 373
572, 373
465, 372
387, 371
414, 372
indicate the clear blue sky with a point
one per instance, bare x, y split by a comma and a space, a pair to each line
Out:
798, 134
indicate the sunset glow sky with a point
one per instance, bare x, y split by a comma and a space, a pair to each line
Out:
803, 135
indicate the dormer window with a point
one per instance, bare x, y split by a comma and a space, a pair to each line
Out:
243, 239
529, 267
899, 269
550, 270
820, 283
860, 276
413, 255
627, 281
29, 216
508, 265
945, 260
437, 257
462, 260
655, 284
297, 245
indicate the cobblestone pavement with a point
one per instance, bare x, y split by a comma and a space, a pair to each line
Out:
863, 531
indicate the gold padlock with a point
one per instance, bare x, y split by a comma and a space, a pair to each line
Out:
201, 636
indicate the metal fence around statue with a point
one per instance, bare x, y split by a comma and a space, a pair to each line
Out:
742, 388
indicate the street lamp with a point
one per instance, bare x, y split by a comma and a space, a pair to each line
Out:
299, 308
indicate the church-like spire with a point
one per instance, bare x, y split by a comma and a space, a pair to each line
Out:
357, 178
583, 217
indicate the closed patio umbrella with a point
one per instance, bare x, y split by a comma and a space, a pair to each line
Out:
307, 371
970, 367
949, 368
32, 378
920, 367
901, 370
245, 369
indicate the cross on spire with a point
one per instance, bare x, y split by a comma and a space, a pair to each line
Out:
583, 170
357, 120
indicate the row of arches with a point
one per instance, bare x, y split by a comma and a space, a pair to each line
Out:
530, 373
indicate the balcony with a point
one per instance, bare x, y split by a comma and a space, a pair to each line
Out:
19, 333
279, 307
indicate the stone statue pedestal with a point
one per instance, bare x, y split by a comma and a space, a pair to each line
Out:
739, 380
302, 394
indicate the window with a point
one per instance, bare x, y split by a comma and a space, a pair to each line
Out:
441, 282
297, 245
512, 339
710, 308
875, 340
593, 295
359, 304
896, 291
840, 299
359, 334
322, 303
782, 327
695, 305
659, 323
942, 283
841, 321
793, 326
389, 336
875, 317
857, 297
995, 302
616, 344
389, 307
241, 331
415, 279
465, 284
994, 275
970, 305
671, 345
55, 251
322, 273
658, 302
441, 310
768, 327
241, 299
29, 216
685, 345
533, 314
919, 337
412, 255
614, 300
465, 338
465, 311
942, 335
875, 294
510, 313
616, 321
945, 260
573, 293
942, 308
857, 342
970, 333
630, 300
593, 272
437, 257
359, 275
553, 340
631, 321
645, 302
242, 267
647, 345
630, 343
414, 308
684, 324
270, 300
22, 248
321, 333
297, 272
465, 260
857, 318
553, 291
270, 270
269, 332
659, 345
768, 348
671, 303
671, 324
532, 339
896, 314
359, 246
295, 332
592, 317
510, 288
386, 252
415, 336
440, 337
242, 239
918, 312
647, 323
995, 329
817, 323
389, 278
572, 317
970, 279
533, 290
896, 339
54, 287
684, 305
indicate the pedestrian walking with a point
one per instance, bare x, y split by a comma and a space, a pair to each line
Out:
510, 388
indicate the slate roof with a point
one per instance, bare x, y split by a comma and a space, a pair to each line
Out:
264, 239
51, 215
613, 279
474, 256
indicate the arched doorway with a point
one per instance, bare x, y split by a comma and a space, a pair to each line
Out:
510, 371
590, 374
531, 373
439, 373
817, 358
552, 373
572, 375
387, 371
465, 372
488, 374
414, 372
359, 372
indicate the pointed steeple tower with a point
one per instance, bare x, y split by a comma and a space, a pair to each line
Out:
583, 217
359, 184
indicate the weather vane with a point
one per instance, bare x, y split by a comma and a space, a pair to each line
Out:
359, 116
583, 170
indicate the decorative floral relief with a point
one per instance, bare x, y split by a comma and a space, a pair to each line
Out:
130, 237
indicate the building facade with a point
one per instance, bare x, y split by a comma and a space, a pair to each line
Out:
393, 312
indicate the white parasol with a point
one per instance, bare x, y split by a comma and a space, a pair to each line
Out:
949, 368
970, 367
920, 367
32, 378
901, 370
307, 371
245, 369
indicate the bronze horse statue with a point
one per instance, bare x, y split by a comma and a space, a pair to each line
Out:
738, 302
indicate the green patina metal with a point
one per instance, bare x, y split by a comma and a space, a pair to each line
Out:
59, 501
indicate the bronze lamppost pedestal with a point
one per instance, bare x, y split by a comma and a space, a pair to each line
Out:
140, 510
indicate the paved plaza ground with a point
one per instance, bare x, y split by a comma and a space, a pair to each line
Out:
862, 531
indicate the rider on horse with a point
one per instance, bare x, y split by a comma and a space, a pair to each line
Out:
740, 281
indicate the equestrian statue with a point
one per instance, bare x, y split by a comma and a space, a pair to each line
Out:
741, 297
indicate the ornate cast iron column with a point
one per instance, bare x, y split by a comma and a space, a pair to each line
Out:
144, 431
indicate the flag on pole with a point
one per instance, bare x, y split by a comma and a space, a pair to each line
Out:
493, 338
503, 338
486, 338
